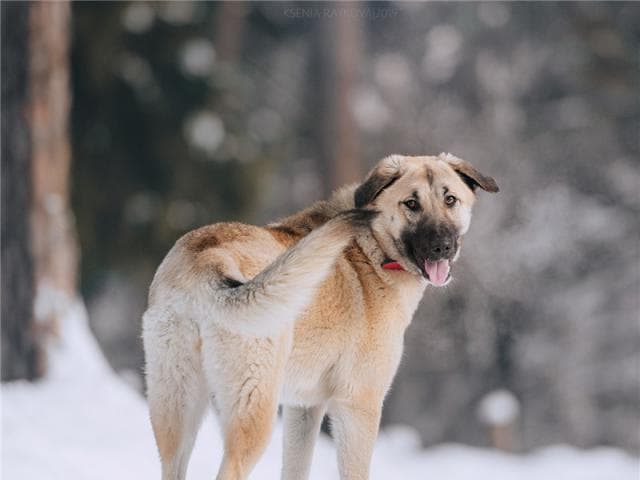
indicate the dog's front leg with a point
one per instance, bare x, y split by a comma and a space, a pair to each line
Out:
355, 428
301, 427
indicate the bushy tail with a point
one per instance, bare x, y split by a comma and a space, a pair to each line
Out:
278, 294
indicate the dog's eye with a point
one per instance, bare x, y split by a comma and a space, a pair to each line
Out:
412, 204
450, 200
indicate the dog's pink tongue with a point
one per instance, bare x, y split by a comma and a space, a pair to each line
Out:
438, 271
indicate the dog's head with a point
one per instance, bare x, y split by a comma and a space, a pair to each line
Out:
425, 208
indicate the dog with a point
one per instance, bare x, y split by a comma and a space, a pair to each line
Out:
309, 313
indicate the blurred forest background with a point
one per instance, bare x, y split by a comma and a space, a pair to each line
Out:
188, 113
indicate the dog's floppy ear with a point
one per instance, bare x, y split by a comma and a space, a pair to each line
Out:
472, 177
382, 176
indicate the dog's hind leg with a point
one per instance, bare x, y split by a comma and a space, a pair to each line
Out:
245, 376
176, 390
301, 427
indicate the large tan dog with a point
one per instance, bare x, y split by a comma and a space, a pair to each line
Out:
309, 312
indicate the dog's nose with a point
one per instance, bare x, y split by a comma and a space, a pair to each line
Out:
442, 247
435, 241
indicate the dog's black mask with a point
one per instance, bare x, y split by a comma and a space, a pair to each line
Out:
430, 241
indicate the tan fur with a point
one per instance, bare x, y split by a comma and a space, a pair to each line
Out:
343, 349
165, 431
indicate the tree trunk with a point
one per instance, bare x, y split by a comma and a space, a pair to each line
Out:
19, 348
339, 54
39, 228
230, 23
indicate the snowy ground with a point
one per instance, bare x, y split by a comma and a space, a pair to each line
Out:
83, 422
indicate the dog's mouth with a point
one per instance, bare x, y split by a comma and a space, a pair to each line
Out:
438, 272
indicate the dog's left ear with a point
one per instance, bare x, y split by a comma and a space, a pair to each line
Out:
383, 175
469, 175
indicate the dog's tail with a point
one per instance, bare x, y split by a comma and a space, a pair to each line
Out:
278, 294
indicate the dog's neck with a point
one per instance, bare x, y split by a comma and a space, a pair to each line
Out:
406, 287
373, 250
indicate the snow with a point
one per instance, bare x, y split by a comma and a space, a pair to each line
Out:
84, 422
499, 407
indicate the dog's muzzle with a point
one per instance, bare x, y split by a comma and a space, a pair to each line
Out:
432, 246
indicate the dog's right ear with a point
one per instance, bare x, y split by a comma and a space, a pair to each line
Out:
381, 177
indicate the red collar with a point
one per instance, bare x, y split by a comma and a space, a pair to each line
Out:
392, 266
